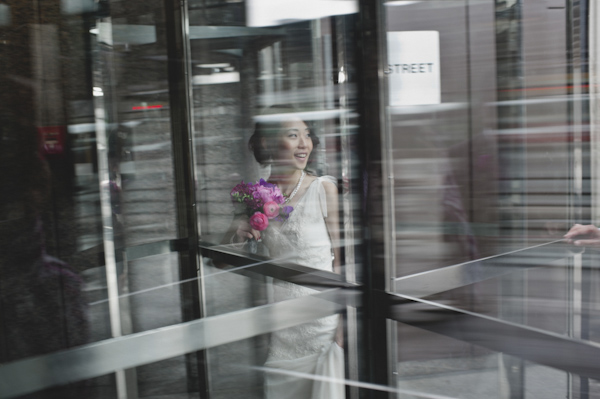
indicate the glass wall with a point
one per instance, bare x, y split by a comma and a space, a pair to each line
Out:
270, 74
316, 199
490, 158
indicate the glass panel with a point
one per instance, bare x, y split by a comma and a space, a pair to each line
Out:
50, 219
251, 367
253, 79
551, 288
487, 120
153, 298
443, 147
133, 110
439, 367
135, 168
244, 362
94, 388
282, 81
497, 161
89, 171
492, 159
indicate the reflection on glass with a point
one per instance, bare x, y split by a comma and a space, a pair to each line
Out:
284, 378
133, 81
492, 159
501, 164
497, 165
305, 237
43, 303
453, 369
531, 287
276, 104
36, 289
134, 161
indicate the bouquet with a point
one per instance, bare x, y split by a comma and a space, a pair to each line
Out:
262, 202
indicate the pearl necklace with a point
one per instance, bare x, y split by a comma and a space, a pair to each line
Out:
297, 188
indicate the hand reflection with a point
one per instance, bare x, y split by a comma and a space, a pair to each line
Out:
583, 235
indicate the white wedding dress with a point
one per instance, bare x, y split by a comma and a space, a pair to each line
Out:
307, 349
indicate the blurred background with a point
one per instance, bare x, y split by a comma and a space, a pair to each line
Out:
463, 135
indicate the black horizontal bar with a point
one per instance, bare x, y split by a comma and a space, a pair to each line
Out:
226, 256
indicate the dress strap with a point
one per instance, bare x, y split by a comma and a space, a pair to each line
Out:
323, 194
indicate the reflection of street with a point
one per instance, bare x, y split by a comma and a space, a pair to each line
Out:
527, 288
143, 210
470, 377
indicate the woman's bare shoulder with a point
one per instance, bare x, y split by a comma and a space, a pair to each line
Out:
329, 184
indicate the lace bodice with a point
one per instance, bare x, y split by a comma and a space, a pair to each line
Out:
302, 239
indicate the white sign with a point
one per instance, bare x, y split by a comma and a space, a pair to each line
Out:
279, 12
414, 67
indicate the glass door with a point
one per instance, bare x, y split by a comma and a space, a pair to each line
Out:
434, 154
253, 69
488, 153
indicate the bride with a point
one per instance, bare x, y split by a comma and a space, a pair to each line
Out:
306, 239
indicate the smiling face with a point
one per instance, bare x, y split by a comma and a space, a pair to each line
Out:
295, 144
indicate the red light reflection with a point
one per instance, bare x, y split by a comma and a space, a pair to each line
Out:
142, 107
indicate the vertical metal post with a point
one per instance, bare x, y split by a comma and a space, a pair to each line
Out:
105, 115
348, 172
579, 387
180, 96
371, 106
510, 369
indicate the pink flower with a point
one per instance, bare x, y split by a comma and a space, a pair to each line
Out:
259, 221
277, 196
271, 209
263, 193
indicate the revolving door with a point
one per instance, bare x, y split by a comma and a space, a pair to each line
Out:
460, 138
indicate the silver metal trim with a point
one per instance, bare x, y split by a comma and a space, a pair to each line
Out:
101, 358
102, 116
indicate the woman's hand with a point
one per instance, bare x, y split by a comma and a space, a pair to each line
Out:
584, 235
245, 232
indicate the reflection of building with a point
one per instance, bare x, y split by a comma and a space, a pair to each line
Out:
143, 111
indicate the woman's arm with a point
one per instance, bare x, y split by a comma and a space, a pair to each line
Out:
332, 221
584, 235
240, 231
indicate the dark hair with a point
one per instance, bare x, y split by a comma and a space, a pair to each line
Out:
270, 130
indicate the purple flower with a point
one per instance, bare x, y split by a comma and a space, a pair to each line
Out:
284, 213
278, 197
286, 210
263, 183
263, 193
253, 198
